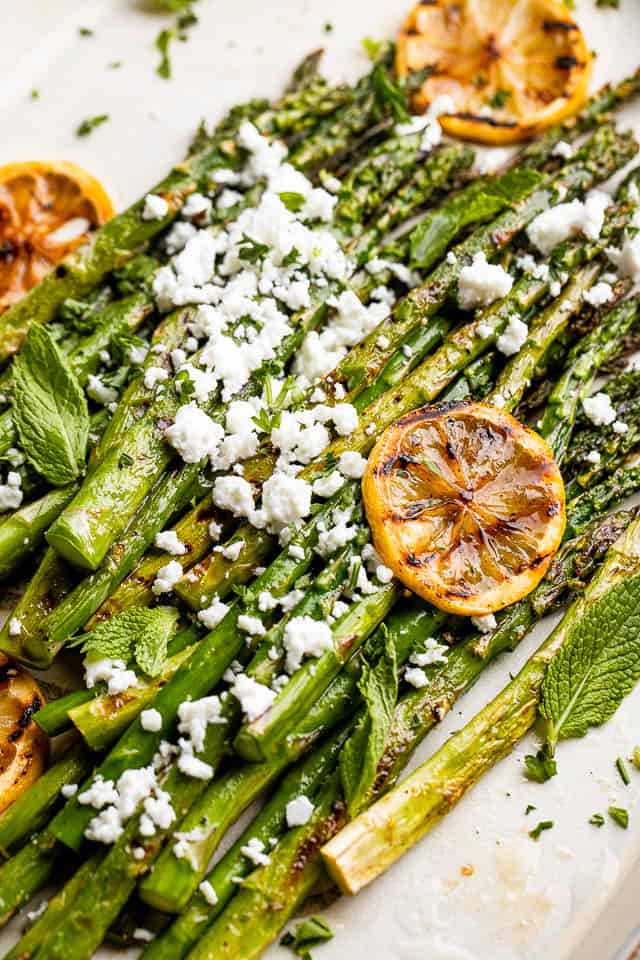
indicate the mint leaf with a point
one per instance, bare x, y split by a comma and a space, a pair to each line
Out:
137, 634
251, 251
49, 410
390, 98
361, 753
597, 665
540, 768
292, 201
308, 933
429, 240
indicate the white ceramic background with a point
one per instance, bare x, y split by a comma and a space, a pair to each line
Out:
569, 895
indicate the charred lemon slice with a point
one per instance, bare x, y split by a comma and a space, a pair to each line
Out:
511, 67
465, 505
23, 745
46, 211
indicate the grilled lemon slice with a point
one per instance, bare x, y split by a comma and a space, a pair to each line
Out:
46, 211
465, 505
511, 67
23, 745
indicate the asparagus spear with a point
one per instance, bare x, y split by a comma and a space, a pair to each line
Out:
31, 810
379, 836
26, 872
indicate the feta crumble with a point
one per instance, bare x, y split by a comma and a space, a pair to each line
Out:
481, 283
599, 409
169, 541
299, 811
155, 207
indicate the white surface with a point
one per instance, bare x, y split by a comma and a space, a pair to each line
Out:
524, 900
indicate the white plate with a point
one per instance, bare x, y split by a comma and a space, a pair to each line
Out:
524, 900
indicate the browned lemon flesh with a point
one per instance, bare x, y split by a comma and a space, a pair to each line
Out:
466, 506
512, 67
46, 211
23, 745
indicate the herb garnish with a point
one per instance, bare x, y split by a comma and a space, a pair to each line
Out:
90, 124
543, 825
308, 933
597, 820
620, 816
138, 634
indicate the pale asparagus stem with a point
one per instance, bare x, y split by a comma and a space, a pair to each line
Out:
380, 835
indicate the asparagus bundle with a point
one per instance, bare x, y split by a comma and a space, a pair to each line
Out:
392, 369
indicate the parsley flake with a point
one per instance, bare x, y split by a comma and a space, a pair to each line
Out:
89, 125
597, 820
543, 825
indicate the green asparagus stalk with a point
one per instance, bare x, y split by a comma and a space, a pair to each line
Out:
273, 892
22, 532
380, 835
26, 872
613, 490
56, 910
303, 780
577, 380
32, 809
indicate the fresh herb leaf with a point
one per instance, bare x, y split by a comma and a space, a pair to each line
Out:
361, 753
49, 410
622, 770
251, 251
267, 420
389, 96
372, 48
597, 820
90, 124
138, 634
620, 816
308, 933
292, 201
77, 314
328, 27
184, 384
292, 257
499, 98
163, 42
597, 665
85, 31
530, 809
124, 460
543, 825
540, 768
430, 239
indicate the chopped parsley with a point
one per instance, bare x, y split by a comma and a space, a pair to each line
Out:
35, 94
292, 201
597, 820
620, 816
543, 825
114, 65
163, 41
251, 251
622, 770
90, 124
530, 809
328, 27
371, 47
85, 31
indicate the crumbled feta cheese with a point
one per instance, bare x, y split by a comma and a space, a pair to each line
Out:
194, 434
296, 552
416, 677
599, 409
305, 637
619, 427
193, 767
168, 540
154, 375
10, 493
562, 149
513, 337
194, 717
113, 672
151, 720
232, 551
599, 294
254, 698
251, 625
69, 790
485, 623
99, 391
197, 205
352, 464
299, 811
234, 494
627, 258
481, 283
327, 486
451, 258
568, 220
208, 893
285, 501
155, 207
143, 935
212, 615
593, 457
167, 577
433, 652
254, 851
